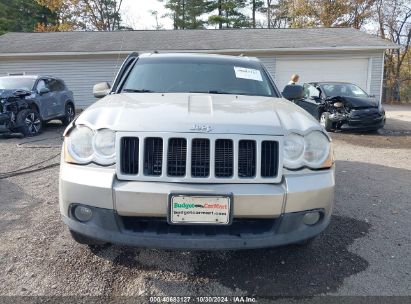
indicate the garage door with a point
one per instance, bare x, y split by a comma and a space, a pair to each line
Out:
354, 70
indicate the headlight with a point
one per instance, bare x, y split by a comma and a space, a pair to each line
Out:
83, 146
79, 144
104, 146
293, 150
317, 148
312, 150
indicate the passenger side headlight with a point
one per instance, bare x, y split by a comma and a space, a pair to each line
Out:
312, 150
293, 151
84, 145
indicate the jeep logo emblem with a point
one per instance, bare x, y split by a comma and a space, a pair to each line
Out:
201, 128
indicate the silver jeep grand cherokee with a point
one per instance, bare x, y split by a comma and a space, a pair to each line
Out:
195, 152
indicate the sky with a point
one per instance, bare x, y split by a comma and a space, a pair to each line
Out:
136, 14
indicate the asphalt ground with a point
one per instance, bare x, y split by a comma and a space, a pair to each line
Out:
366, 250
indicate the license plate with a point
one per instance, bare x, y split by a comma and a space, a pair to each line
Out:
197, 209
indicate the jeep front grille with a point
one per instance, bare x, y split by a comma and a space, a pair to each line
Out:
176, 157
224, 158
153, 156
198, 158
129, 155
269, 161
246, 158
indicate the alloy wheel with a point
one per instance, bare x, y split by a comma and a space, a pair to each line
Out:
33, 123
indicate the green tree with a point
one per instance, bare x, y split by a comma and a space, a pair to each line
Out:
256, 6
195, 10
230, 14
277, 13
23, 15
186, 14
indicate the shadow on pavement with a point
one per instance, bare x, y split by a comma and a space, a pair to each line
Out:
285, 271
291, 270
13, 204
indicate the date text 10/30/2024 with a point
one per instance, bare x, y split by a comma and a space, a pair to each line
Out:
206, 299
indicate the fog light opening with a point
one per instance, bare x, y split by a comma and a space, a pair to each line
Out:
83, 214
311, 218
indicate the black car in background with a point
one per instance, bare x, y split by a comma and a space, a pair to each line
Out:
342, 106
26, 102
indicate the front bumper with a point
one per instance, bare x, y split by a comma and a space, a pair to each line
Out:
273, 212
106, 225
348, 122
364, 125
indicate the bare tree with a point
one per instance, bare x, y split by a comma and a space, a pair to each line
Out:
156, 16
394, 23
100, 15
360, 11
103, 15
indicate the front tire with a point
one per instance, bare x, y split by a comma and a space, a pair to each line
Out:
69, 114
326, 122
29, 122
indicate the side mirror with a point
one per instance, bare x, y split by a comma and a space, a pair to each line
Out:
293, 92
101, 89
44, 91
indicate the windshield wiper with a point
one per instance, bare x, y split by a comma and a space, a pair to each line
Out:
212, 92
138, 91
219, 92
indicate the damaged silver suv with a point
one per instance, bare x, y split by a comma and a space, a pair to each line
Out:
29, 101
195, 152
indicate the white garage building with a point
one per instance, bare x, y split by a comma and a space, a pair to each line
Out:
85, 58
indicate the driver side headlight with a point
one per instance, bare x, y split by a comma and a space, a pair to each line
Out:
312, 150
84, 145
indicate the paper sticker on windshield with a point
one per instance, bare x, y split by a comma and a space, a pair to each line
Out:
245, 73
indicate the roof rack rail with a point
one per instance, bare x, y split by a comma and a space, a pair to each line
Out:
17, 74
133, 55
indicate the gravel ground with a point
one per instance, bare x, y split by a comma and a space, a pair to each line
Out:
365, 251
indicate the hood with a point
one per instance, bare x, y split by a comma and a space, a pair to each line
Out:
209, 113
10, 93
6, 93
359, 102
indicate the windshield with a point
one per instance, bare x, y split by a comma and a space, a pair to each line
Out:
343, 89
184, 76
16, 83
